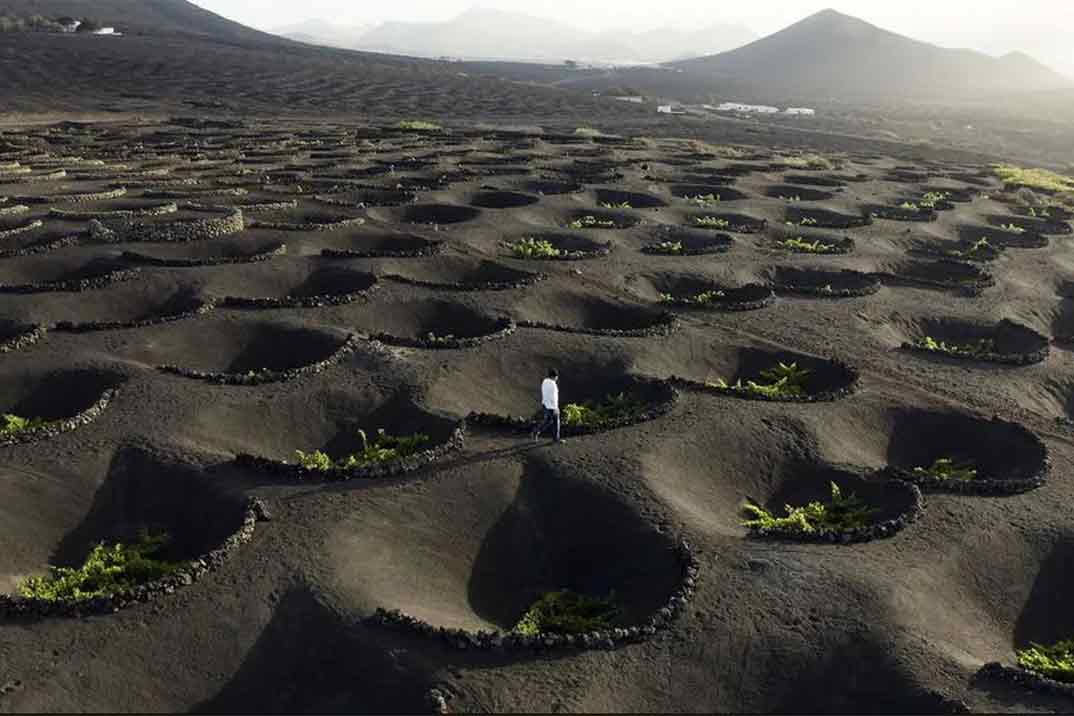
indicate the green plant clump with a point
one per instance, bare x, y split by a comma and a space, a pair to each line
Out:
699, 299
979, 249
977, 349
565, 612
783, 381
383, 448
417, 125
808, 247
14, 424
1034, 178
534, 249
591, 222
667, 247
946, 468
841, 514
704, 199
712, 222
932, 198
809, 161
595, 415
1013, 229
611, 205
108, 569
1054, 662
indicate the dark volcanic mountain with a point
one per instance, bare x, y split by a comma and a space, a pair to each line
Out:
142, 16
174, 54
834, 56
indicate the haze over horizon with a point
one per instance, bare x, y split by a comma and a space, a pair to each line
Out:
995, 27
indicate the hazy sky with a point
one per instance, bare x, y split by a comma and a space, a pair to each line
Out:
1039, 27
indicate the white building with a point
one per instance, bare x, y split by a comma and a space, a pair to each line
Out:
72, 26
635, 100
803, 111
670, 109
105, 31
746, 108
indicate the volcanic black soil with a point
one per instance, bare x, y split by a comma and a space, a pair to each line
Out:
377, 289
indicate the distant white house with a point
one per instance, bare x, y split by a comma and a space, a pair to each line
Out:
71, 25
745, 108
803, 111
670, 109
105, 31
635, 100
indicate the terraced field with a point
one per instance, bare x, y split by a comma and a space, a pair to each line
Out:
205, 327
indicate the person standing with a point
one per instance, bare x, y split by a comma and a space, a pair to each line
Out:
549, 407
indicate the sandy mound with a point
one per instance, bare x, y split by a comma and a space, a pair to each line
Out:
130, 305
821, 283
519, 531
431, 323
941, 274
459, 273
1003, 342
142, 490
573, 312
295, 667
207, 253
633, 200
793, 192
303, 286
501, 200
695, 291
76, 272
703, 191
223, 347
327, 419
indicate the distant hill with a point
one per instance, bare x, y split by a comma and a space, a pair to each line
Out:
484, 34
141, 16
320, 32
177, 57
830, 55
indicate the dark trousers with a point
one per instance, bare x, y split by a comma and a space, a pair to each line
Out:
550, 419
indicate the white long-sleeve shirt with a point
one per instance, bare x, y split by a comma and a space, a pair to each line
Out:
550, 394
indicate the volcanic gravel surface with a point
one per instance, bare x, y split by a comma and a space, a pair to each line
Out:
312, 314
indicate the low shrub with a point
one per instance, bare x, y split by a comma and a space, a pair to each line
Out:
108, 569
843, 513
805, 221
533, 249
565, 612
13, 424
383, 448
711, 222
417, 125
980, 250
946, 468
610, 205
671, 248
1013, 229
782, 381
932, 198
1054, 662
802, 246
809, 161
703, 199
1033, 178
595, 415
591, 222
977, 349
698, 299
